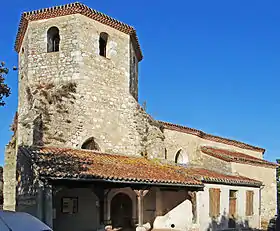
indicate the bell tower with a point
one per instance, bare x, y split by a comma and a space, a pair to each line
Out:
78, 78
78, 88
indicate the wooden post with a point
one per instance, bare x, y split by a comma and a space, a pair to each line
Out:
140, 196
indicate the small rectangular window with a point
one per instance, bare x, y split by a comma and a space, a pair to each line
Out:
249, 203
69, 205
214, 202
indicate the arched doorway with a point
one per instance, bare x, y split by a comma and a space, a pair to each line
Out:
121, 211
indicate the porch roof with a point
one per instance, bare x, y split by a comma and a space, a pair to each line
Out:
66, 163
79, 164
209, 176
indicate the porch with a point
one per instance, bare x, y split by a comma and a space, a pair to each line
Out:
85, 206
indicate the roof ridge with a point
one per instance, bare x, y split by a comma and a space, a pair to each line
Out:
208, 136
70, 5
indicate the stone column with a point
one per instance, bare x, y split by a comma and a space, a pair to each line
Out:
9, 177
192, 196
140, 199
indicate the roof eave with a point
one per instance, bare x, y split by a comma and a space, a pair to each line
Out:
95, 179
235, 183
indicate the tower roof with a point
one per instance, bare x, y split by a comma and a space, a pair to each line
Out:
75, 8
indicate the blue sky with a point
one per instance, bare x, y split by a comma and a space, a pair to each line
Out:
211, 65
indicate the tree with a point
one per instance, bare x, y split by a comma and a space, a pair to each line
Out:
5, 91
278, 185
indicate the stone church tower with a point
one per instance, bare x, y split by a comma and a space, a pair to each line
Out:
78, 81
78, 86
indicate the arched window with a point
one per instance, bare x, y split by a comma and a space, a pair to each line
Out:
103, 43
90, 144
181, 157
53, 39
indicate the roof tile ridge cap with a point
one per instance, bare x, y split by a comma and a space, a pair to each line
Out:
86, 8
210, 135
236, 141
51, 8
257, 161
213, 149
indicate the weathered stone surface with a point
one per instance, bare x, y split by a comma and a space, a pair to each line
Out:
9, 176
69, 96
104, 106
101, 101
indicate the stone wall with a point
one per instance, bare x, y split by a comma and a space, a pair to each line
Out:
269, 190
191, 144
27, 186
102, 105
10, 175
68, 96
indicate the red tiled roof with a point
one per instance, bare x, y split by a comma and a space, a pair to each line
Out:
76, 163
75, 8
208, 176
238, 157
206, 136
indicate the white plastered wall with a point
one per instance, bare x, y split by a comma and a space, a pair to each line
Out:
222, 221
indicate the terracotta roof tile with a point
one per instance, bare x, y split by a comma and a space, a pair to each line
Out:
75, 8
209, 176
238, 157
77, 163
206, 136
74, 163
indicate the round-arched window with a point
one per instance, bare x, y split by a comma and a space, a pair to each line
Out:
181, 157
90, 144
103, 39
53, 39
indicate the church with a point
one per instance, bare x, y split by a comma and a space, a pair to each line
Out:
86, 156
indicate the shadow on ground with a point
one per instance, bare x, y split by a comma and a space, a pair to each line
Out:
230, 224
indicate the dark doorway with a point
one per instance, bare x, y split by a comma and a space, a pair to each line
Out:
121, 211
